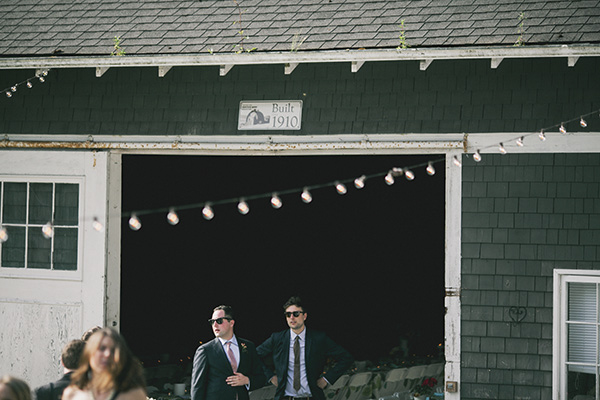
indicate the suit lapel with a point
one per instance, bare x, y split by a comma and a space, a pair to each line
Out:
308, 338
220, 351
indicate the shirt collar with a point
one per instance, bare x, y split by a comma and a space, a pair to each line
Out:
302, 334
233, 341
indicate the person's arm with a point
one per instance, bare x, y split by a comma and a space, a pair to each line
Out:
199, 375
256, 375
265, 355
343, 360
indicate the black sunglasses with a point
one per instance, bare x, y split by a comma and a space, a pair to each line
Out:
294, 313
219, 321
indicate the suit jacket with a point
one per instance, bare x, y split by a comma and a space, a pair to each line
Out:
211, 368
54, 390
319, 347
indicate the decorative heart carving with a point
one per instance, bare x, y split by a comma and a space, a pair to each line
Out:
517, 314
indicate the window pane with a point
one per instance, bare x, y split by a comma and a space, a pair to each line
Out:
15, 203
582, 346
66, 208
13, 250
65, 249
40, 203
38, 250
581, 384
582, 302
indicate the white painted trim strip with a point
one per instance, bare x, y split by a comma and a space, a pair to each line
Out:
257, 58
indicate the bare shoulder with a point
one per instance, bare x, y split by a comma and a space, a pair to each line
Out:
133, 394
69, 392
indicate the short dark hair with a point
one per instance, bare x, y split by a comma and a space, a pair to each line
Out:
294, 301
71, 354
19, 387
227, 309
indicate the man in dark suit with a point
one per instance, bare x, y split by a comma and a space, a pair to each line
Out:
227, 367
299, 356
70, 360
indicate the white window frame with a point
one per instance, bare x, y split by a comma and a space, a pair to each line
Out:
37, 273
562, 278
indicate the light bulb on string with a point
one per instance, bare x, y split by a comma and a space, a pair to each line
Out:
501, 148
29, 84
3, 234
430, 169
306, 196
48, 230
477, 156
520, 142
542, 136
243, 207
276, 201
134, 223
8, 94
562, 129
41, 79
456, 161
409, 175
583, 123
208, 213
13, 88
389, 178
359, 182
340, 188
97, 225
172, 217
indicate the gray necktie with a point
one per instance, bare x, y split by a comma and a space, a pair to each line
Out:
297, 364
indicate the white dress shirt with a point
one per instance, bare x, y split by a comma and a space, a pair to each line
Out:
289, 387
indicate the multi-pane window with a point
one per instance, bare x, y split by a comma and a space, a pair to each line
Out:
577, 358
25, 207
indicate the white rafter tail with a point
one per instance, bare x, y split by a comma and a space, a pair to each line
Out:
356, 65
225, 68
290, 67
163, 69
100, 71
496, 61
573, 60
424, 64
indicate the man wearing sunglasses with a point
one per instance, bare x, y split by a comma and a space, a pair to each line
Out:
227, 367
298, 356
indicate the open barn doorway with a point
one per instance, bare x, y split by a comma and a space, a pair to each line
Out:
369, 263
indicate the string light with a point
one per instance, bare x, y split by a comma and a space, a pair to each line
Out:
207, 212
542, 136
48, 230
583, 123
501, 148
340, 188
520, 141
276, 201
477, 156
172, 217
97, 225
3, 234
359, 182
389, 178
456, 161
134, 223
409, 175
562, 129
430, 169
306, 196
243, 207
13, 89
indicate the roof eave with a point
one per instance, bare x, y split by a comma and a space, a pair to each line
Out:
290, 59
